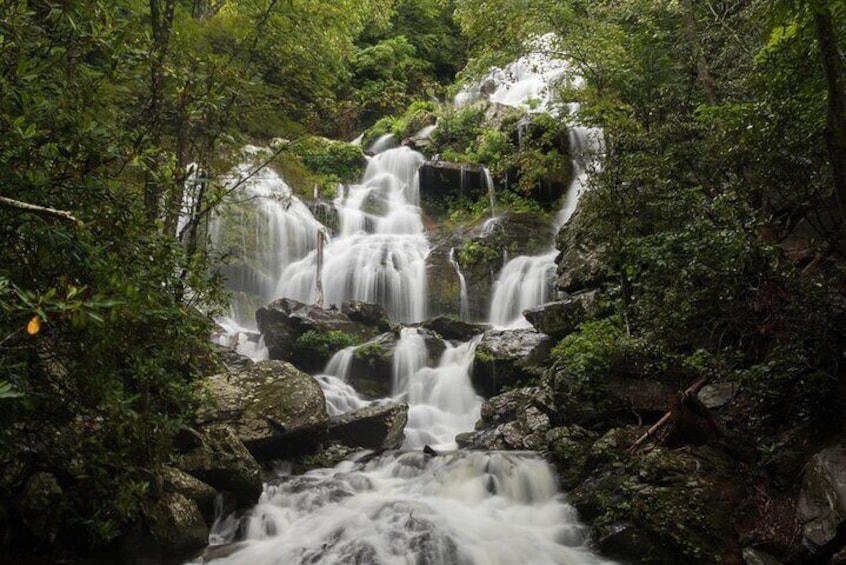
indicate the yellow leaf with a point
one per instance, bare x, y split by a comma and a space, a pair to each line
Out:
34, 326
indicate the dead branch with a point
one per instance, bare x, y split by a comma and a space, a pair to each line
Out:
692, 389
37, 209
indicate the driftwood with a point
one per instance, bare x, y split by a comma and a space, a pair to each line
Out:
691, 390
11, 202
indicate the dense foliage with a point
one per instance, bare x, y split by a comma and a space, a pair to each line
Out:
717, 207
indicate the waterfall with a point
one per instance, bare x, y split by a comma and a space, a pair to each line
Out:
523, 283
464, 301
468, 508
441, 400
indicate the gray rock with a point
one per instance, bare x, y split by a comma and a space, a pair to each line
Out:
273, 408
505, 358
372, 427
821, 508
222, 462
559, 319
176, 523
717, 395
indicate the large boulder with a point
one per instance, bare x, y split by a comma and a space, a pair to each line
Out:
375, 427
217, 457
821, 509
505, 358
308, 336
558, 319
273, 408
195, 490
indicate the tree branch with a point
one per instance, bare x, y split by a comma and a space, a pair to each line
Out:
37, 209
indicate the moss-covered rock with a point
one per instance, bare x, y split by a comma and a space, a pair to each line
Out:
342, 162
665, 506
371, 370
308, 336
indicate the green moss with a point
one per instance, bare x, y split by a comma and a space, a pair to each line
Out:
324, 343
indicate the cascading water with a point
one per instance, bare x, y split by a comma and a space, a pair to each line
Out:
526, 282
380, 253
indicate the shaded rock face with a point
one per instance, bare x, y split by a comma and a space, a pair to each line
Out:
273, 408
579, 262
821, 510
665, 506
505, 358
442, 282
482, 255
285, 323
442, 179
220, 460
561, 318
372, 427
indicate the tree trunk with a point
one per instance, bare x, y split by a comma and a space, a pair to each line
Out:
703, 72
161, 23
835, 133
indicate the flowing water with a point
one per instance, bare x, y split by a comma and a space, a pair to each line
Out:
407, 507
